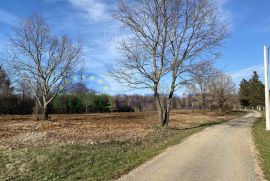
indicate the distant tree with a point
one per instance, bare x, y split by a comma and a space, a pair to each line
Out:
122, 103
101, 103
87, 100
256, 90
234, 101
222, 89
5, 84
23, 88
42, 59
7, 101
244, 93
136, 102
78, 88
111, 105
202, 74
175, 102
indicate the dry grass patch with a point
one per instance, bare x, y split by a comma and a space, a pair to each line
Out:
91, 147
24, 131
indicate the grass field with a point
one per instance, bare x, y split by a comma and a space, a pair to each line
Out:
91, 147
262, 142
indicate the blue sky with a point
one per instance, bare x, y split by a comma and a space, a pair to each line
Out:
250, 30
90, 21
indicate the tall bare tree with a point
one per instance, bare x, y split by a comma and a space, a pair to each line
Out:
202, 75
166, 36
222, 89
43, 60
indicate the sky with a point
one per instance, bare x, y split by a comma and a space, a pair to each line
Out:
90, 21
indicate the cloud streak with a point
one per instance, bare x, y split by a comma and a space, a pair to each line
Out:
93, 9
246, 73
8, 18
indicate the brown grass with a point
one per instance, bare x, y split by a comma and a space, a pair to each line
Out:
24, 131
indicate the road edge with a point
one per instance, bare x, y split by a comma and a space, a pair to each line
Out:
256, 153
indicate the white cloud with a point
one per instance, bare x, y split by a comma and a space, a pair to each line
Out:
222, 2
7, 17
94, 9
247, 73
105, 51
114, 87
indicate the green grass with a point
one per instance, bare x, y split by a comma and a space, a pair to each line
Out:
262, 142
89, 162
86, 162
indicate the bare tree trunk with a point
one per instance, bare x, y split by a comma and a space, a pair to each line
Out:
160, 106
23, 103
222, 108
221, 105
160, 110
166, 117
161, 116
45, 113
36, 110
168, 109
204, 101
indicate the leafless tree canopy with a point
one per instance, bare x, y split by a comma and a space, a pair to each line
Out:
42, 59
166, 37
202, 74
222, 89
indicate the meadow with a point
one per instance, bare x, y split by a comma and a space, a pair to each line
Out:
92, 146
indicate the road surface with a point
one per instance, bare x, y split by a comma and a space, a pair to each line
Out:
222, 152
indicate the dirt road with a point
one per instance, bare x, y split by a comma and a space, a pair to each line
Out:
222, 152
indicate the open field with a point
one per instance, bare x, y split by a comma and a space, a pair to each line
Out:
24, 131
91, 147
262, 142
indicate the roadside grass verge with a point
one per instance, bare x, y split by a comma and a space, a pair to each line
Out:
262, 142
103, 161
86, 162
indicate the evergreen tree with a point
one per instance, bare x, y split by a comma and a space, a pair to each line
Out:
251, 92
256, 90
244, 93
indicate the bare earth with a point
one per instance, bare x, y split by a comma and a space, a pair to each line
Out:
222, 152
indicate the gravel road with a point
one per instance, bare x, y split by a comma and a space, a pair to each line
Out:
222, 152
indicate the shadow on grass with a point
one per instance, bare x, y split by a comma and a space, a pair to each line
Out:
200, 125
212, 123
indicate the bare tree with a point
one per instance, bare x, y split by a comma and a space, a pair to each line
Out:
222, 89
42, 59
202, 74
23, 88
5, 84
166, 36
136, 102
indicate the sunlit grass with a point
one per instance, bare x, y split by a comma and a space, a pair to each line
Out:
262, 141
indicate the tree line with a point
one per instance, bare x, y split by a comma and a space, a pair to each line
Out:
80, 99
209, 90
